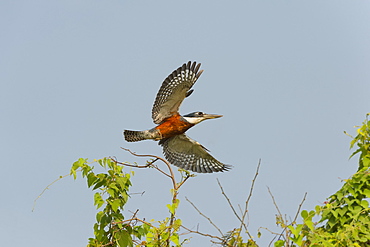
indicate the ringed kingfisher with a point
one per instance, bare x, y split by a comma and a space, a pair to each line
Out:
178, 148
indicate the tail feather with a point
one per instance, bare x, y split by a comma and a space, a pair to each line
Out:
135, 136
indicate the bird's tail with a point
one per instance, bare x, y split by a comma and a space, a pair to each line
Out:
135, 136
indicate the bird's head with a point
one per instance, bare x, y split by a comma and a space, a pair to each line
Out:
197, 117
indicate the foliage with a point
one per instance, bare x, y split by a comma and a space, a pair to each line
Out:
345, 217
112, 194
111, 228
342, 221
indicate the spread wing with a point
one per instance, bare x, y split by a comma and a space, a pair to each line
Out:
188, 154
174, 90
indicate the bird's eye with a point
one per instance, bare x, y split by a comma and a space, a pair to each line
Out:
200, 113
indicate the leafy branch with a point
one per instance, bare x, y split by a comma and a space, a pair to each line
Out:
344, 220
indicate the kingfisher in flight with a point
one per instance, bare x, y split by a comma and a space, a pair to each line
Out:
178, 148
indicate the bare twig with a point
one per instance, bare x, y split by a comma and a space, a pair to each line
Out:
252, 186
134, 214
275, 233
285, 226
137, 193
183, 181
210, 221
247, 203
284, 220
114, 159
203, 234
158, 169
145, 155
275, 204
171, 175
299, 208
47, 187
231, 206
133, 219
279, 213
240, 209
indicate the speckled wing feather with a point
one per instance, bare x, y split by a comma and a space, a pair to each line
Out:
188, 154
175, 88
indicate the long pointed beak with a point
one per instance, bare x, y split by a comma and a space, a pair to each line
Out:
211, 116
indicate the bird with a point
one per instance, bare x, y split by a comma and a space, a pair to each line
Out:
179, 149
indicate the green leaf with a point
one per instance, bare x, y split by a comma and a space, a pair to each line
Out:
342, 211
111, 192
279, 243
140, 231
91, 178
123, 239
101, 181
356, 210
115, 204
367, 193
122, 182
318, 209
309, 223
100, 161
365, 204
171, 207
304, 214
98, 200
335, 213
73, 172
175, 238
165, 235
79, 163
99, 216
177, 223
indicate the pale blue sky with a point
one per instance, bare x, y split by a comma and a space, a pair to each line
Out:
288, 76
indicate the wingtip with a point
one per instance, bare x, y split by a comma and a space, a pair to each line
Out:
226, 168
